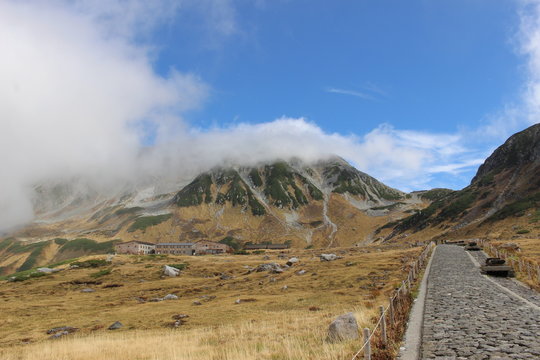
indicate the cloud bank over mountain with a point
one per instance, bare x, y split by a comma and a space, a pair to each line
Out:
80, 97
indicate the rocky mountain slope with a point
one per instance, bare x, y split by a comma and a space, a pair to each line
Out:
323, 204
503, 198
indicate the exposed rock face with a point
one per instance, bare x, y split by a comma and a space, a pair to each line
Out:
521, 149
344, 327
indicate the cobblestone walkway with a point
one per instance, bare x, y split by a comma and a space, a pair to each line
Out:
469, 317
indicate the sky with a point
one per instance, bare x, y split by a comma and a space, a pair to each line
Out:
416, 93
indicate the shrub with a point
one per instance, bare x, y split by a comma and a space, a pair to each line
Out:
101, 273
523, 231
93, 263
60, 241
146, 221
241, 252
51, 266
180, 266
229, 240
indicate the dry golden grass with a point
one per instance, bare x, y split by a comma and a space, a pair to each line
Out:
530, 248
277, 325
290, 335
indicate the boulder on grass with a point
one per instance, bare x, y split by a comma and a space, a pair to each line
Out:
117, 325
343, 328
170, 271
292, 261
329, 257
170, 297
273, 268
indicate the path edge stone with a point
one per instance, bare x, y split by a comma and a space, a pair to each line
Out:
410, 349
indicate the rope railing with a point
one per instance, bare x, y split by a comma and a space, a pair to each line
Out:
400, 294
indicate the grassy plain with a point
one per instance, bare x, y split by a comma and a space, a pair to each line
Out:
269, 322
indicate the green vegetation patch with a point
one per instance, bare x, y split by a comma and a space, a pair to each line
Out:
60, 241
517, 208
457, 206
486, 180
60, 263
143, 222
436, 194
6, 243
100, 273
31, 260
23, 275
196, 192
280, 177
89, 246
180, 266
232, 242
315, 193
255, 177
523, 231
93, 263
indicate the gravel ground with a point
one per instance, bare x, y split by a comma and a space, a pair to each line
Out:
466, 316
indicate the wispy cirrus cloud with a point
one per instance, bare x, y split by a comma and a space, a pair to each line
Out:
358, 94
368, 91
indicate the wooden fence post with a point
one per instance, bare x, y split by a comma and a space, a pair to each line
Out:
383, 326
538, 273
367, 347
529, 270
391, 307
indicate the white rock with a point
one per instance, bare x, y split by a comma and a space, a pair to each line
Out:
170, 271
329, 257
170, 297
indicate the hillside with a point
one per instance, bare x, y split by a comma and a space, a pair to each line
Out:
328, 203
502, 201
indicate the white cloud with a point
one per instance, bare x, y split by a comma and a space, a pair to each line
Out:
526, 111
73, 96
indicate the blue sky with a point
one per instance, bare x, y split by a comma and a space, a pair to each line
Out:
415, 93
424, 65
438, 67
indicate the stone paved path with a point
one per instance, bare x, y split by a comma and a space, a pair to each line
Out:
468, 317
